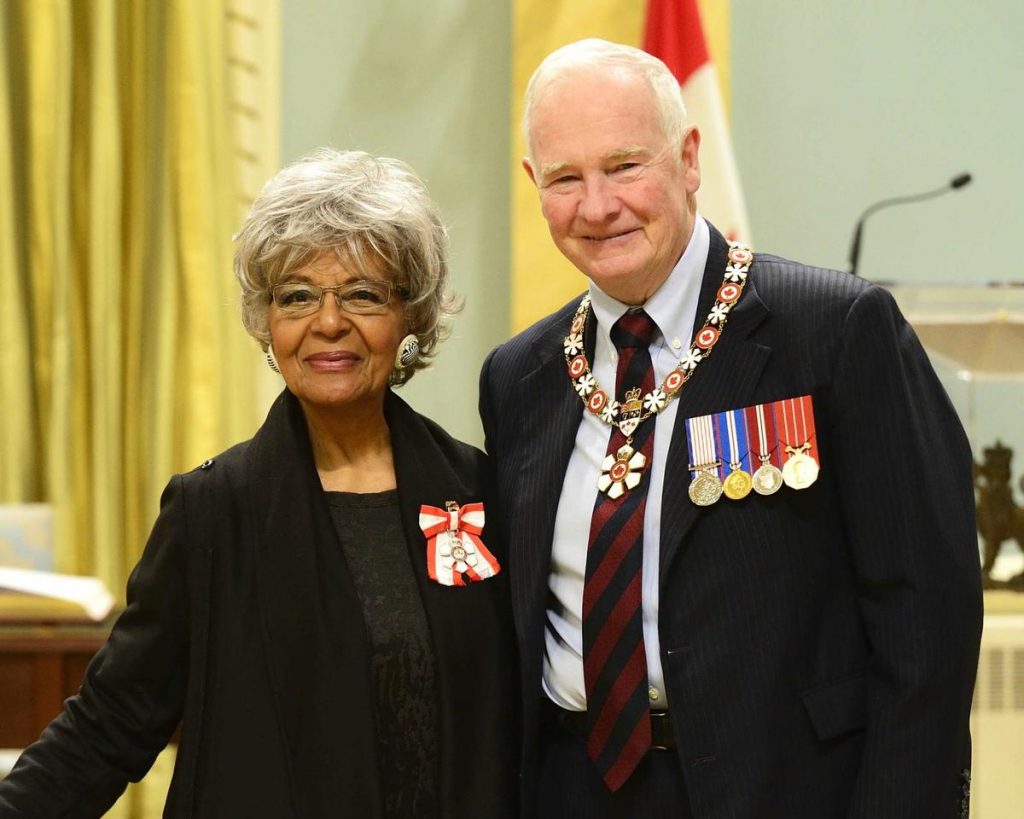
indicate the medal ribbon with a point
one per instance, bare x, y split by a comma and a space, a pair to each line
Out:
798, 427
761, 422
807, 425
448, 530
736, 435
701, 442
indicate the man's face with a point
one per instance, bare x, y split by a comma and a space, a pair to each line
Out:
613, 189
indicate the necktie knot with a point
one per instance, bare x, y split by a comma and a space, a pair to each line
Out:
633, 329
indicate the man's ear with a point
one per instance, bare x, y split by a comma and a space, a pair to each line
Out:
529, 169
689, 157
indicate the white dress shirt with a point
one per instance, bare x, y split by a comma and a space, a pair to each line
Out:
673, 308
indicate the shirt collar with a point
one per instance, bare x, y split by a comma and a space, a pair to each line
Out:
673, 306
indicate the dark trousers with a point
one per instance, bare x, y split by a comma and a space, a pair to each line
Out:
569, 786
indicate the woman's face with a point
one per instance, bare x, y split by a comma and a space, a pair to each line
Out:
331, 358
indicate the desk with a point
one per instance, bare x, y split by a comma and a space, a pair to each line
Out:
40, 667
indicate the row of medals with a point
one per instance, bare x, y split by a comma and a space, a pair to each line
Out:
798, 472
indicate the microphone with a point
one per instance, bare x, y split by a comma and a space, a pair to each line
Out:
955, 183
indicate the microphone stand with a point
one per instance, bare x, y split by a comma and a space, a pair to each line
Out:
955, 183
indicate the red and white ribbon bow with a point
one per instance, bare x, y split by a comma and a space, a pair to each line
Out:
455, 551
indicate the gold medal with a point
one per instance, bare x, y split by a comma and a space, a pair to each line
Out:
767, 479
705, 489
737, 484
800, 471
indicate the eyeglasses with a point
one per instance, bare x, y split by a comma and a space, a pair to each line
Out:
365, 297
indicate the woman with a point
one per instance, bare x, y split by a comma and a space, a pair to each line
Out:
317, 606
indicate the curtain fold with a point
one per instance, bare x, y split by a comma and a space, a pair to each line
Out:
122, 356
20, 465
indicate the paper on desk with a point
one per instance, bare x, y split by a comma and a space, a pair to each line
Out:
87, 592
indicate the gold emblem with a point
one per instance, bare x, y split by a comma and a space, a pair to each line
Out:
737, 484
801, 470
632, 404
705, 488
767, 479
629, 412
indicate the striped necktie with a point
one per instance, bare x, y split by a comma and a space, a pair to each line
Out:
614, 661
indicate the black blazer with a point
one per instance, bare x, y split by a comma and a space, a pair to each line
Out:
819, 646
235, 628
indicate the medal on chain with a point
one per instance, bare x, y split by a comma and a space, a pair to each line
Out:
621, 472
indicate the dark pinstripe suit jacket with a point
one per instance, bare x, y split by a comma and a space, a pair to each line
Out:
819, 646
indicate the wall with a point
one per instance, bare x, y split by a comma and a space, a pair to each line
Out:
835, 107
427, 83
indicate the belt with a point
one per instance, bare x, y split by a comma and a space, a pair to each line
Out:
662, 738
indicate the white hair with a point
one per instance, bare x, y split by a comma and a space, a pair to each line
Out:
595, 54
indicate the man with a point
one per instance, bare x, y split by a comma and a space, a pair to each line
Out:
805, 649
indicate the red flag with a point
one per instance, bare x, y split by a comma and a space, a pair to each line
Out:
673, 33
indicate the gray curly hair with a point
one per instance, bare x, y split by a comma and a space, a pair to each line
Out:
372, 211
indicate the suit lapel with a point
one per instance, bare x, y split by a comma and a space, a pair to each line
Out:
549, 411
726, 380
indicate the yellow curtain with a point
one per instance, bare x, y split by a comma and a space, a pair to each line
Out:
542, 280
122, 357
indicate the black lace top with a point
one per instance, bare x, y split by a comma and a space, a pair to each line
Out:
402, 658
